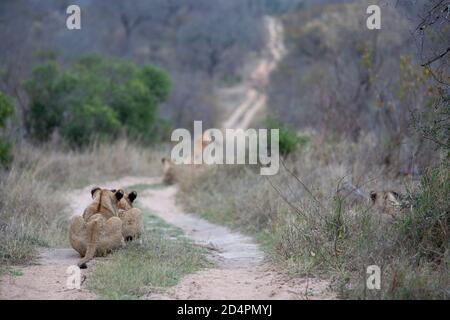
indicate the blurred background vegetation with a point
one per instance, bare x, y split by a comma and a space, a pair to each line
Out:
121, 60
95, 98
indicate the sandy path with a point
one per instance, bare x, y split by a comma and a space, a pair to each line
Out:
46, 280
240, 270
248, 98
242, 103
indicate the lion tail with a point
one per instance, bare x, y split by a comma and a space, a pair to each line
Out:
93, 229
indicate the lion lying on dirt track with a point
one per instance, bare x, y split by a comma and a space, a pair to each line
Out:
99, 230
132, 220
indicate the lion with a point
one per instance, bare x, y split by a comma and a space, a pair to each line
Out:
99, 230
105, 202
387, 201
132, 220
169, 176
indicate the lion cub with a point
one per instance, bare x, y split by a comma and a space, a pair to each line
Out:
168, 171
99, 230
104, 201
132, 220
387, 201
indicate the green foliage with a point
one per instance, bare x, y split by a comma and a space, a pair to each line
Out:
95, 98
92, 118
5, 153
290, 141
157, 81
426, 228
6, 111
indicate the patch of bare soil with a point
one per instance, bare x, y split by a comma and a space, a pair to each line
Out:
46, 280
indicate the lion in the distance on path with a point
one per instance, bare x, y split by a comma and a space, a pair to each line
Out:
99, 230
132, 220
169, 176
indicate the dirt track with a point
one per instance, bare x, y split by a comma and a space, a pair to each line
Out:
245, 100
240, 270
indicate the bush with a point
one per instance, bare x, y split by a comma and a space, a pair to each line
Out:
427, 228
95, 98
5, 153
290, 141
6, 110
91, 119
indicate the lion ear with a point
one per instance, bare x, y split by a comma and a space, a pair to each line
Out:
373, 196
132, 196
119, 194
94, 190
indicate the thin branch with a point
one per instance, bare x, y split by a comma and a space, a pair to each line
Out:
303, 185
440, 56
301, 213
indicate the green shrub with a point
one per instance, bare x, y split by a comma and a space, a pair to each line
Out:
6, 110
95, 98
46, 109
5, 153
91, 119
427, 228
290, 141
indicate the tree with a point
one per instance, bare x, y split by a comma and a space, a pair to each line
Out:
433, 122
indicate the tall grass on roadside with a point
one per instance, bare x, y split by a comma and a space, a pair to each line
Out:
164, 256
32, 213
312, 230
33, 209
96, 163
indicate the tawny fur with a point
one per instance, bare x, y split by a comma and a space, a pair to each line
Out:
97, 237
169, 175
104, 201
386, 201
132, 219
99, 230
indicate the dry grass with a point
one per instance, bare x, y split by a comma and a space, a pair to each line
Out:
97, 163
310, 230
32, 210
164, 256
